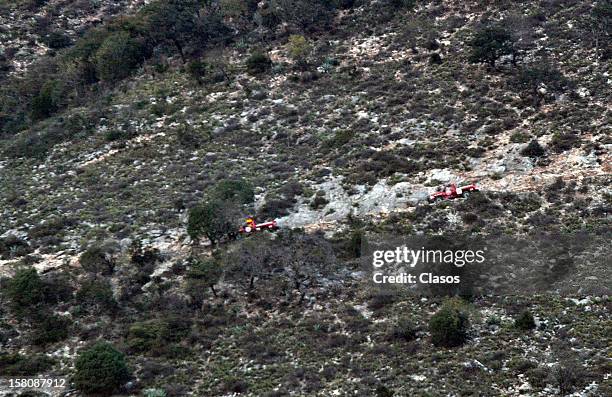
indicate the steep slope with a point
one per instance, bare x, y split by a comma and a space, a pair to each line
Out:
385, 107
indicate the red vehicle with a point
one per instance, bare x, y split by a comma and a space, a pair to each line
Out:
453, 192
251, 226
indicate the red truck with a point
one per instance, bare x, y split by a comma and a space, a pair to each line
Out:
251, 226
453, 192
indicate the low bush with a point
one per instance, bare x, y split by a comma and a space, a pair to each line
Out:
567, 375
339, 139
48, 329
100, 369
489, 43
118, 56
525, 321
96, 295
25, 289
408, 4
96, 260
258, 63
12, 247
20, 365
47, 101
236, 190
299, 48
449, 326
57, 40
519, 137
141, 255
118, 135
533, 149
204, 274
561, 142
404, 330
198, 70
318, 201
354, 242
52, 227
157, 336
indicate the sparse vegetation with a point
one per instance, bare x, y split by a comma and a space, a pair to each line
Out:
132, 133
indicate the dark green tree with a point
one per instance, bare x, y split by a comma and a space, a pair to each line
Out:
236, 190
100, 369
173, 21
213, 219
525, 321
25, 289
489, 44
118, 56
204, 273
47, 101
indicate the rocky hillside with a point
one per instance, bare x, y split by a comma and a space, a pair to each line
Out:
117, 118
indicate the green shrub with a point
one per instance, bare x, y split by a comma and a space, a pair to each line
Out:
258, 63
118, 134
198, 69
156, 336
143, 255
52, 227
57, 40
519, 137
97, 295
48, 329
384, 391
100, 369
25, 289
567, 375
409, 4
236, 190
489, 44
561, 142
12, 246
435, 59
299, 48
531, 78
525, 321
354, 243
212, 219
340, 139
17, 364
118, 56
154, 393
204, 274
175, 22
404, 330
47, 101
96, 260
533, 149
449, 326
